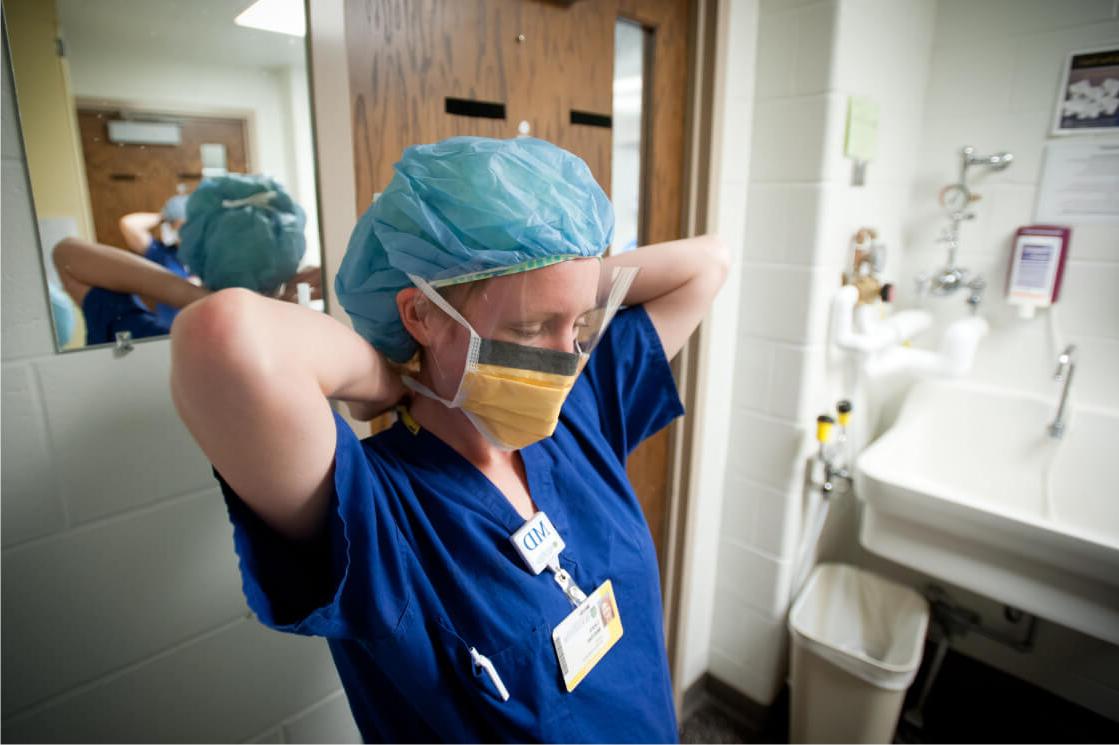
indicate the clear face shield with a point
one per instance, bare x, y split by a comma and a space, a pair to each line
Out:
530, 335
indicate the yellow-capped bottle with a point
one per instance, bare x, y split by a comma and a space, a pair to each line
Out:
840, 451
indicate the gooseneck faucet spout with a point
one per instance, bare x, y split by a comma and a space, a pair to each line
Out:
1066, 366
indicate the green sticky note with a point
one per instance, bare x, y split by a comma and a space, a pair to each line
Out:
862, 129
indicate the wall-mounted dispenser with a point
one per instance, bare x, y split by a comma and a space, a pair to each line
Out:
1037, 265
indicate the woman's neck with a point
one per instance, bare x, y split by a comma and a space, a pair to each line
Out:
452, 427
505, 469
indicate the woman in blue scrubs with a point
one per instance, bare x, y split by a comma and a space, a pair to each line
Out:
137, 227
482, 311
245, 232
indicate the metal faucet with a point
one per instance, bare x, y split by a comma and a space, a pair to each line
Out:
1066, 366
952, 277
956, 198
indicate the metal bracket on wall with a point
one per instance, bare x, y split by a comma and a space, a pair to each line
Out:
123, 344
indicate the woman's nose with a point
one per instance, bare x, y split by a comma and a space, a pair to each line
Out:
563, 341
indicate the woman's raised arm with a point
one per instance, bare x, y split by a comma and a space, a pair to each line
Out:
677, 283
250, 377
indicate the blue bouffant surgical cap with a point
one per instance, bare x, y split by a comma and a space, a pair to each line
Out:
465, 209
174, 208
242, 231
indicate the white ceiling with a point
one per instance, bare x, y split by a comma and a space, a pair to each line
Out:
198, 31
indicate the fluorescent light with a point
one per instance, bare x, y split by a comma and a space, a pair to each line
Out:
130, 132
279, 16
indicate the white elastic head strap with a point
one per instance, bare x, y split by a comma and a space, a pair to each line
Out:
623, 279
471, 353
260, 199
433, 295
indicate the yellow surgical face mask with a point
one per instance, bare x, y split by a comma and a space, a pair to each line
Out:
512, 393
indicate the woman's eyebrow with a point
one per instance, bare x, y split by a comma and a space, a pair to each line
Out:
549, 315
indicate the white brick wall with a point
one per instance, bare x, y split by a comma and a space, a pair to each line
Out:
999, 93
945, 73
801, 212
993, 78
123, 616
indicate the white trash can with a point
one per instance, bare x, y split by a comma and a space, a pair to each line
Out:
857, 641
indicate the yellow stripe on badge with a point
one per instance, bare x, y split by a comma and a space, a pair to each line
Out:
587, 634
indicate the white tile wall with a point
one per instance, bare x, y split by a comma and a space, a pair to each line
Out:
746, 644
224, 687
766, 450
753, 374
761, 582
775, 522
11, 144
992, 83
773, 304
150, 453
800, 214
1008, 86
1035, 76
815, 45
328, 722
777, 52
23, 299
123, 616
138, 584
31, 505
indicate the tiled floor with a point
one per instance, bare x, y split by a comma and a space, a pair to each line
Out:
715, 722
970, 702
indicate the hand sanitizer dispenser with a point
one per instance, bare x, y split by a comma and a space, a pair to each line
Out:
1037, 265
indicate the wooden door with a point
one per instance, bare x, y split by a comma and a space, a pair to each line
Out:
126, 178
424, 70
667, 28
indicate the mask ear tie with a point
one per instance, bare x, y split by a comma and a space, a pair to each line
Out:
472, 351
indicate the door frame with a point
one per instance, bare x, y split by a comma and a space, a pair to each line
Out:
700, 177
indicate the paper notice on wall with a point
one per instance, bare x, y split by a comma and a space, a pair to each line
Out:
861, 142
1079, 183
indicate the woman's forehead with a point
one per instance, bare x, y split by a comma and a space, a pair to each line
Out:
568, 288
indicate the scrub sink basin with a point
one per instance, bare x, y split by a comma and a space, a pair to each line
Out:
968, 487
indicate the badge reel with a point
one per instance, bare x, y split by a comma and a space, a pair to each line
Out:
539, 544
594, 626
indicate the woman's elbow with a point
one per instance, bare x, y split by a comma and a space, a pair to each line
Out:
216, 330
718, 259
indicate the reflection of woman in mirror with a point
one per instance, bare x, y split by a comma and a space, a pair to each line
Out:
137, 227
475, 279
244, 232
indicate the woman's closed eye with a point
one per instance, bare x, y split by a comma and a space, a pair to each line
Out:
533, 332
527, 332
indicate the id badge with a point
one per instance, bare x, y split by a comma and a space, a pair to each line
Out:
587, 634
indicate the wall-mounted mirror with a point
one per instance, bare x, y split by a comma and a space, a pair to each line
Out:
130, 107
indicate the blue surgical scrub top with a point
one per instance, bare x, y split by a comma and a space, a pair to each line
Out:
416, 567
107, 312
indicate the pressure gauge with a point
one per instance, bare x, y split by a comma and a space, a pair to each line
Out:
955, 197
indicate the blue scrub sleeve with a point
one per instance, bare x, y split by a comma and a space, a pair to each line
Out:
632, 381
349, 583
